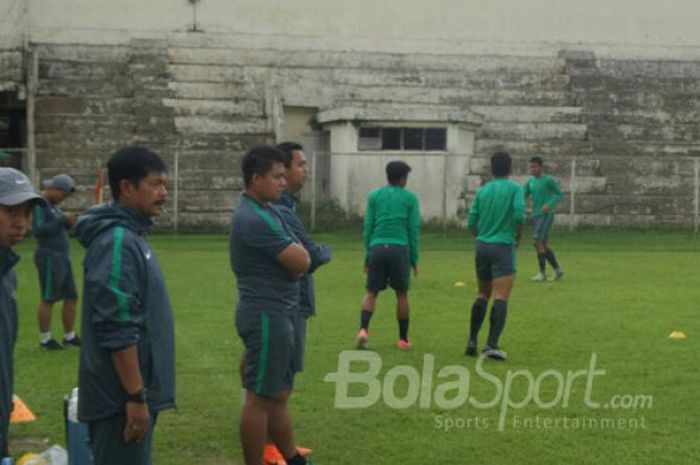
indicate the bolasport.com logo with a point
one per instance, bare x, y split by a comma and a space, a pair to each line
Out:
449, 388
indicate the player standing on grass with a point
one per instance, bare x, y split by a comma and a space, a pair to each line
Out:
546, 195
391, 233
127, 357
268, 262
17, 198
320, 254
52, 259
496, 218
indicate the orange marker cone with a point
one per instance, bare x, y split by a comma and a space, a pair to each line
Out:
20, 412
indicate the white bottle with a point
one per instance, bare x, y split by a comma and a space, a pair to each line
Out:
73, 406
55, 455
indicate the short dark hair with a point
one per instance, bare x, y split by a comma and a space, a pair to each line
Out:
537, 160
396, 170
501, 164
132, 164
259, 161
287, 148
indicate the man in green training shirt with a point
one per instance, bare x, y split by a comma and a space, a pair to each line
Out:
391, 233
546, 195
496, 218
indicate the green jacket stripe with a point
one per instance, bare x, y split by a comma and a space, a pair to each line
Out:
38, 217
115, 276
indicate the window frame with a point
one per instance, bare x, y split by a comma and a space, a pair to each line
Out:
380, 127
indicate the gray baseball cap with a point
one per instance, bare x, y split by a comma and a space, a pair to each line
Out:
61, 181
15, 188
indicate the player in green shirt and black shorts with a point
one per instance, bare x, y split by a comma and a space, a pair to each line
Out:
391, 233
496, 218
546, 195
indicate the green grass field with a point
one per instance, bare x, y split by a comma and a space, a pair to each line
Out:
623, 294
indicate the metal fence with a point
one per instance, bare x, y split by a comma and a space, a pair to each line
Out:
649, 190
657, 191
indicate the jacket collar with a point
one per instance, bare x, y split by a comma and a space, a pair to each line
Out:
139, 223
287, 200
8, 259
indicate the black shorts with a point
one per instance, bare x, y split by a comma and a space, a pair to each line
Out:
541, 225
56, 279
494, 261
388, 265
269, 350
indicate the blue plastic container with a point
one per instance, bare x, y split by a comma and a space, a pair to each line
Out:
77, 438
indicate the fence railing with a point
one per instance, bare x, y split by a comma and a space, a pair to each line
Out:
667, 188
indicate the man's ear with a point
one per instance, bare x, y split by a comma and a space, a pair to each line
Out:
126, 188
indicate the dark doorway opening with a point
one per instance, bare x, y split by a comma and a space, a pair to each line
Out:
13, 130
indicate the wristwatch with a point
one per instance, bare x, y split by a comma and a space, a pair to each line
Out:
139, 397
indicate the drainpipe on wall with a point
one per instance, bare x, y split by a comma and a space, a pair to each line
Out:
572, 196
32, 77
194, 27
32, 84
696, 194
176, 189
445, 168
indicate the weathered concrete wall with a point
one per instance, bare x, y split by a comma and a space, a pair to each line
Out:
12, 29
628, 123
11, 69
13, 24
649, 22
93, 100
623, 101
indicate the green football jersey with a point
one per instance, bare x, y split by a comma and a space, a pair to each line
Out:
392, 216
545, 190
499, 206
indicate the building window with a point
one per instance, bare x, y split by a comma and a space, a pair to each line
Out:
409, 139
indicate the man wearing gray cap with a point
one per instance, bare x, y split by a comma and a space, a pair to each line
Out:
52, 259
17, 198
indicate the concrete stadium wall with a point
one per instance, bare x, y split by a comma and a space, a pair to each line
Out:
629, 123
11, 70
648, 22
13, 23
12, 29
622, 99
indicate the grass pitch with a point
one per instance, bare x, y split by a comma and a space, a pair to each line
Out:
623, 294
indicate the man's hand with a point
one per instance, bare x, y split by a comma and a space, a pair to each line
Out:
126, 363
545, 209
137, 420
415, 271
